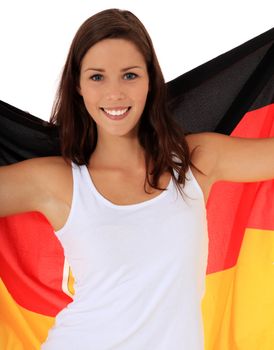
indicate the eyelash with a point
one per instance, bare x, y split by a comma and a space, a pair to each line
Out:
95, 75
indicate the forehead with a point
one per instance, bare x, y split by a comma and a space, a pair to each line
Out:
112, 52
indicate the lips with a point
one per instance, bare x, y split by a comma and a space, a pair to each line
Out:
117, 109
117, 117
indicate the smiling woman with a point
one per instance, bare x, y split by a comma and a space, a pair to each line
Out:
138, 251
114, 93
142, 139
117, 137
118, 51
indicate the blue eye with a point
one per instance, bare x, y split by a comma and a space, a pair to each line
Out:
95, 75
131, 74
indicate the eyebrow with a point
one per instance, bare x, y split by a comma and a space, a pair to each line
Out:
122, 70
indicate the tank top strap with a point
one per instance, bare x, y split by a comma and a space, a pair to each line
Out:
80, 174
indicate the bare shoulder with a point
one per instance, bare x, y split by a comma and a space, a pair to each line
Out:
53, 174
55, 161
204, 154
34, 163
44, 170
56, 166
41, 184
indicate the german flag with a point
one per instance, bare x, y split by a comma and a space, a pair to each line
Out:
232, 94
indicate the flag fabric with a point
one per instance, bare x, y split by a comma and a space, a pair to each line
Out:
232, 94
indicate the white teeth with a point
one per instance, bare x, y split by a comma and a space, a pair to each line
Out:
113, 112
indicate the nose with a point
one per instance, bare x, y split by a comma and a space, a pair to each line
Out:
115, 91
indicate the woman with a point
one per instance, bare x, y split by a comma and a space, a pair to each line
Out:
138, 250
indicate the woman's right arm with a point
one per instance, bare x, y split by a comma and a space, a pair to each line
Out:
21, 187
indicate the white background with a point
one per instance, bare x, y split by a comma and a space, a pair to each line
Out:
35, 37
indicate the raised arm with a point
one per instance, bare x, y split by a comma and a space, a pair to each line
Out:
20, 187
236, 159
39, 184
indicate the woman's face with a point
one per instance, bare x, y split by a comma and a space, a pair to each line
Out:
107, 82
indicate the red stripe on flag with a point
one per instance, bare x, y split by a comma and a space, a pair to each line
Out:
232, 207
31, 263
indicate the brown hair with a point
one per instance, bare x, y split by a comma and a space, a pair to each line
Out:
159, 134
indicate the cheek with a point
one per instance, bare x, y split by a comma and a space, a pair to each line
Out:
143, 95
90, 98
139, 93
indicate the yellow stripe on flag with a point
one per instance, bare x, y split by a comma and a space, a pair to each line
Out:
20, 328
239, 302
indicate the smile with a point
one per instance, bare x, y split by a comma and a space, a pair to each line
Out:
116, 114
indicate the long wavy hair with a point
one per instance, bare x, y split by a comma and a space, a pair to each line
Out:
159, 134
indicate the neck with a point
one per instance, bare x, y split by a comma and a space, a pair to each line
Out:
119, 154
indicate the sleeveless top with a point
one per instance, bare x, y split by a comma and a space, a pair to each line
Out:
139, 270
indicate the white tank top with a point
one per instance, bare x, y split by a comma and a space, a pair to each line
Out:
139, 270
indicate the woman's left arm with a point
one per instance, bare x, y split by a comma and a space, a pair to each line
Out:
241, 159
